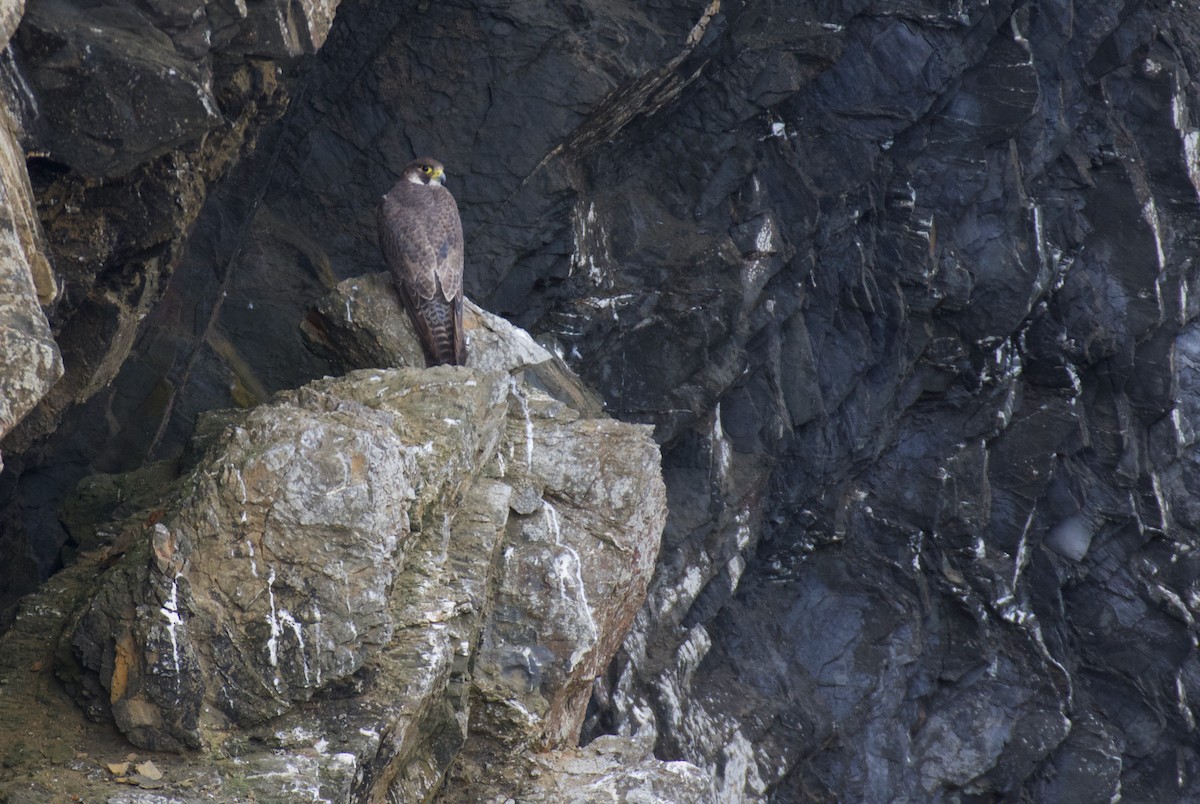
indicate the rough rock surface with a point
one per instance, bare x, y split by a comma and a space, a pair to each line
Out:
906, 288
607, 769
362, 323
270, 579
32, 362
128, 112
352, 587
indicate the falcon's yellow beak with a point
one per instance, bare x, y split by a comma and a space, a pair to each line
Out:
439, 175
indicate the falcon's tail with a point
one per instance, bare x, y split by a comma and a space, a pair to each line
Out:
440, 329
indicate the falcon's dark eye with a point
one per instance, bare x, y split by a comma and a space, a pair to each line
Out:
426, 169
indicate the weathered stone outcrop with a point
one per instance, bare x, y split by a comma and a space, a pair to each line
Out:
269, 580
383, 574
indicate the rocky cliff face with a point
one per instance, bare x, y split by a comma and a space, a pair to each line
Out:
905, 290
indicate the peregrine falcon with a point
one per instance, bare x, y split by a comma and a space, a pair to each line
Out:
422, 240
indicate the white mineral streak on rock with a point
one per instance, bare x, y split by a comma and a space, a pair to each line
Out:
1035, 628
1181, 701
722, 452
1177, 421
610, 303
1190, 137
1150, 215
1039, 236
590, 241
1164, 503
1022, 549
21, 83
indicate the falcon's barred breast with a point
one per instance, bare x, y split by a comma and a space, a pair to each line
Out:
421, 236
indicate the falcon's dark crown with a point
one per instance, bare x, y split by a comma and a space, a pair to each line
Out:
424, 170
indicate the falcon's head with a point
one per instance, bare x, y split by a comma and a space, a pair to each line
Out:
425, 171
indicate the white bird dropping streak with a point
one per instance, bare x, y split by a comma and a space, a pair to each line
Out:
170, 612
298, 630
568, 566
528, 423
273, 621
552, 521
245, 496
560, 562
